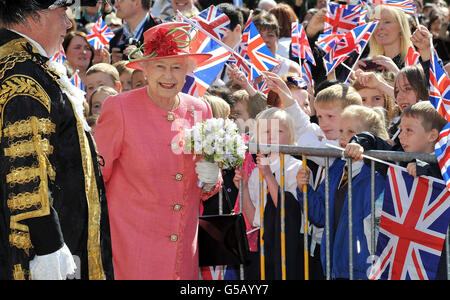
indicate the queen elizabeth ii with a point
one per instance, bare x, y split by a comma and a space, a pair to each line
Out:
154, 197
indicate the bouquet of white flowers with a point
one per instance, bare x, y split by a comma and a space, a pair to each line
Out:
218, 140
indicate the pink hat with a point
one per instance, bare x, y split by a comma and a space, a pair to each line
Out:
166, 40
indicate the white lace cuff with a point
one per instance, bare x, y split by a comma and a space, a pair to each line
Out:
54, 266
207, 172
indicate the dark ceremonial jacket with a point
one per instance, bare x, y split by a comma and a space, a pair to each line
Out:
51, 188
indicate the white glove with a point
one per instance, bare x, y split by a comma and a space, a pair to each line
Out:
54, 266
207, 172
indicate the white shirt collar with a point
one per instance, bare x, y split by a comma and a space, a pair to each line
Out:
36, 44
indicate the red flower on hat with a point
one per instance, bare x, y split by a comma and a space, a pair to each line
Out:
162, 44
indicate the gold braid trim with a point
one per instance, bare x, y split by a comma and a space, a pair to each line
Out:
11, 53
23, 175
23, 85
29, 147
18, 273
94, 209
24, 201
23, 128
21, 240
44, 198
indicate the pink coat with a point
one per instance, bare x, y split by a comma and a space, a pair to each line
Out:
152, 193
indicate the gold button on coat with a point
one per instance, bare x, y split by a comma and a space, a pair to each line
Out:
173, 237
178, 177
177, 207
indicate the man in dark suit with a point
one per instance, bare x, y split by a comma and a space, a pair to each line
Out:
136, 20
53, 210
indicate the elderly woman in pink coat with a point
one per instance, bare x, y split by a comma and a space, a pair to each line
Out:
151, 184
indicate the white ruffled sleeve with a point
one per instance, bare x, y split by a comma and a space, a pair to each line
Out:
54, 266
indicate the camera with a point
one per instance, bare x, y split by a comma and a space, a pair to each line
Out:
370, 65
124, 44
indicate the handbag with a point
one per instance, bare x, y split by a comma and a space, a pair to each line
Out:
222, 239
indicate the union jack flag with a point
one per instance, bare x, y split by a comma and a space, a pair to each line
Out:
442, 152
100, 34
262, 86
413, 225
300, 44
342, 18
354, 40
60, 56
412, 57
307, 75
190, 86
259, 54
298, 81
207, 71
76, 81
243, 62
327, 42
406, 6
214, 21
439, 87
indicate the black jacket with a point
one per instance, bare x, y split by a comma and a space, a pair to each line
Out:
51, 187
371, 142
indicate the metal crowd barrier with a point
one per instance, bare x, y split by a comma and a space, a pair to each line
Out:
328, 153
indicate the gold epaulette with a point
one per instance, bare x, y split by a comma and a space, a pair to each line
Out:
15, 85
11, 53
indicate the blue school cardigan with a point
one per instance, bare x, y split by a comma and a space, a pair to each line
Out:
339, 251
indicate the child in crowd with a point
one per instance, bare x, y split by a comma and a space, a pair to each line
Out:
420, 127
328, 105
220, 108
240, 111
410, 87
138, 79
124, 74
275, 126
354, 119
377, 89
331, 99
297, 86
98, 97
102, 74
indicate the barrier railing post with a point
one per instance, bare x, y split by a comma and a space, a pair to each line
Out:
241, 210
350, 220
283, 218
372, 206
327, 220
306, 225
261, 225
222, 268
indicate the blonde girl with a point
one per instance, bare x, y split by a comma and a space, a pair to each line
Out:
274, 126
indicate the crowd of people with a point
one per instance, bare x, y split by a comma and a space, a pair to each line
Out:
153, 197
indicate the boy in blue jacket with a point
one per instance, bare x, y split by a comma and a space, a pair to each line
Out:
354, 119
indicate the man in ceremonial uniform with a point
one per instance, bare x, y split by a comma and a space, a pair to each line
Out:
53, 212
